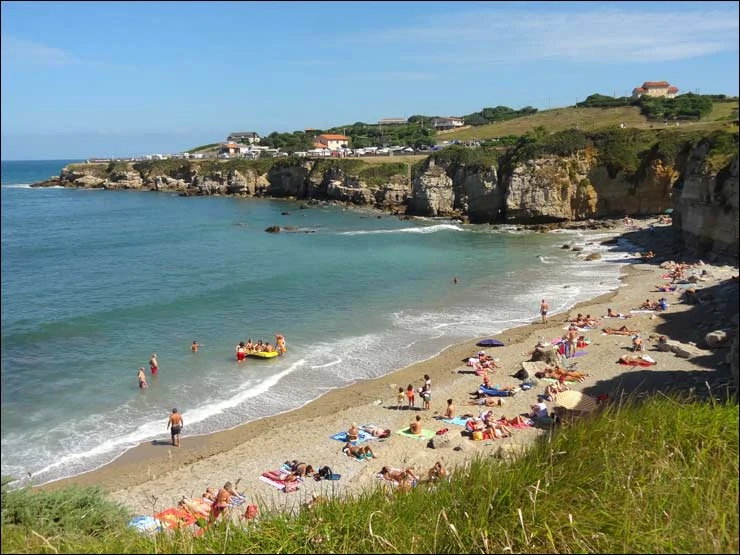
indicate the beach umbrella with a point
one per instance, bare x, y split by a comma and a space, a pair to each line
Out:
668, 211
576, 401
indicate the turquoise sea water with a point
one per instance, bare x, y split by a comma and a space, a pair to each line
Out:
94, 282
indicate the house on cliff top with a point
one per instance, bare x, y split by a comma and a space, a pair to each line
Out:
244, 137
444, 124
331, 142
655, 88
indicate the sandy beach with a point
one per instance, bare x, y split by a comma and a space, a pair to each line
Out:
155, 476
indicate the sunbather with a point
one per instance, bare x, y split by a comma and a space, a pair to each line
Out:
437, 472
552, 390
355, 451
624, 330
498, 430
300, 470
353, 434
406, 476
377, 431
487, 401
562, 375
612, 314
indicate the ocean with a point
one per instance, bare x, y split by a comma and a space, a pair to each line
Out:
94, 282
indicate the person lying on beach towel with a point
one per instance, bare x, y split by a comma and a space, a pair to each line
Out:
199, 508
398, 476
611, 314
377, 431
637, 360
487, 401
519, 421
624, 330
552, 390
359, 452
563, 375
298, 469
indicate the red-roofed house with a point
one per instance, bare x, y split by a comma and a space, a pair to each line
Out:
332, 142
655, 88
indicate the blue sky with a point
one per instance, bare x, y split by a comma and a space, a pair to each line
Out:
83, 79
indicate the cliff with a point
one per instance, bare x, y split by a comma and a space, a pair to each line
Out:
543, 179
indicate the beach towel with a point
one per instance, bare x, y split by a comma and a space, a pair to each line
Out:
588, 328
554, 380
457, 421
425, 433
362, 436
641, 311
276, 478
146, 524
638, 362
520, 426
175, 518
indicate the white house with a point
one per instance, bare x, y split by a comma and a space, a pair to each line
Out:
443, 124
244, 136
655, 88
332, 142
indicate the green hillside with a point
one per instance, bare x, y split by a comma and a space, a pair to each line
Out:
588, 119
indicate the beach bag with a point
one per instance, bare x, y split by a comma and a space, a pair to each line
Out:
522, 374
477, 435
325, 472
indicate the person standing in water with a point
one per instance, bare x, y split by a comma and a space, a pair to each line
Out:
153, 364
194, 347
174, 425
142, 379
280, 343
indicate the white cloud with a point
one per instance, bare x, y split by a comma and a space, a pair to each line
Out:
590, 34
30, 52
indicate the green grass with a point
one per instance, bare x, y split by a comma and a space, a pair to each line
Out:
212, 146
658, 476
586, 119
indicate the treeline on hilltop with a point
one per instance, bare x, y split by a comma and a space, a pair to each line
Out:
416, 132
619, 150
687, 106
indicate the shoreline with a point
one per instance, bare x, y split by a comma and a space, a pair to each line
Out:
154, 475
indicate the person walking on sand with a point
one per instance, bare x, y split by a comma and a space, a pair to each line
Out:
174, 425
544, 307
142, 379
153, 364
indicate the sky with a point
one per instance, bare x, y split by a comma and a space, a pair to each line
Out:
98, 79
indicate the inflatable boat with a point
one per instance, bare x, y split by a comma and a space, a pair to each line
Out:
262, 354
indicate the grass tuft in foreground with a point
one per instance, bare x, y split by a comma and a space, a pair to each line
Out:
655, 476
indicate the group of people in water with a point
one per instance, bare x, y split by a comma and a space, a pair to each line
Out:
243, 349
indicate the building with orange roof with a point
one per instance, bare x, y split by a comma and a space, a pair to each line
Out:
655, 88
330, 141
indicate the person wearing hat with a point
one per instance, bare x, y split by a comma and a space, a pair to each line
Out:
174, 425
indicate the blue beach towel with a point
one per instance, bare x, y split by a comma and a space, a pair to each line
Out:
362, 436
457, 421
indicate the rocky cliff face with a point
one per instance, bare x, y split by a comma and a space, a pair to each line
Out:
446, 188
706, 216
542, 190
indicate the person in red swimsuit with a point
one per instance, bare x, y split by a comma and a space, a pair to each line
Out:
153, 364
241, 352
